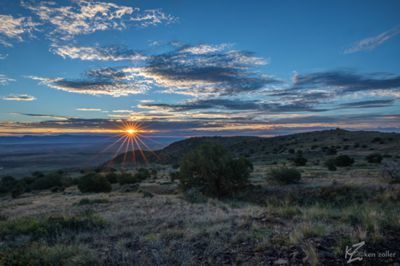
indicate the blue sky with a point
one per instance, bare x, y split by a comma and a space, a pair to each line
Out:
199, 67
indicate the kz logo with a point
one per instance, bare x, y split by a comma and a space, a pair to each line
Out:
353, 251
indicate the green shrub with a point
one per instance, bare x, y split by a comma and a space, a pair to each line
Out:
212, 170
374, 158
94, 183
331, 164
142, 174
300, 160
18, 189
343, 161
7, 183
86, 201
127, 178
47, 181
285, 175
112, 178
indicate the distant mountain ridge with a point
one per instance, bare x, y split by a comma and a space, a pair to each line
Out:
311, 144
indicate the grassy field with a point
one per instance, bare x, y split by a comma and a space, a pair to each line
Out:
308, 223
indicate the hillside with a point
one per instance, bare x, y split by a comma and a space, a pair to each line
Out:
312, 145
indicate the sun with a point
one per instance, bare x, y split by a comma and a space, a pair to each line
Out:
131, 131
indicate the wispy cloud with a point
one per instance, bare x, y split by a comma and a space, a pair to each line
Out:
19, 97
204, 48
86, 17
14, 29
94, 86
4, 80
368, 104
89, 109
232, 104
87, 53
47, 116
346, 82
371, 43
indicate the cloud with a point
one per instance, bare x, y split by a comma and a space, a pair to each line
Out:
203, 48
368, 104
87, 53
19, 97
57, 117
89, 109
204, 71
216, 72
14, 29
217, 126
3, 56
373, 42
4, 80
346, 81
86, 17
231, 104
94, 86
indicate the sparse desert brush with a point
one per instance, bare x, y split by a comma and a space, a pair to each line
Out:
391, 171
311, 254
212, 170
194, 195
49, 227
284, 175
39, 254
87, 201
94, 183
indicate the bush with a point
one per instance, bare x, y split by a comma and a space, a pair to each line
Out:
331, 164
142, 174
18, 189
126, 178
285, 175
112, 177
94, 183
7, 183
212, 170
193, 195
374, 158
300, 160
47, 182
343, 161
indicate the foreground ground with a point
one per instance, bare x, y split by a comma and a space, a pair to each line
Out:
309, 223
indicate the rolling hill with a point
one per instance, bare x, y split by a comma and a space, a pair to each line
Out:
313, 145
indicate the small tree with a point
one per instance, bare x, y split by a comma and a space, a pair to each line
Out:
343, 161
212, 170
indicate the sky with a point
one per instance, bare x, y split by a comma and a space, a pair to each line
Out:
190, 68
